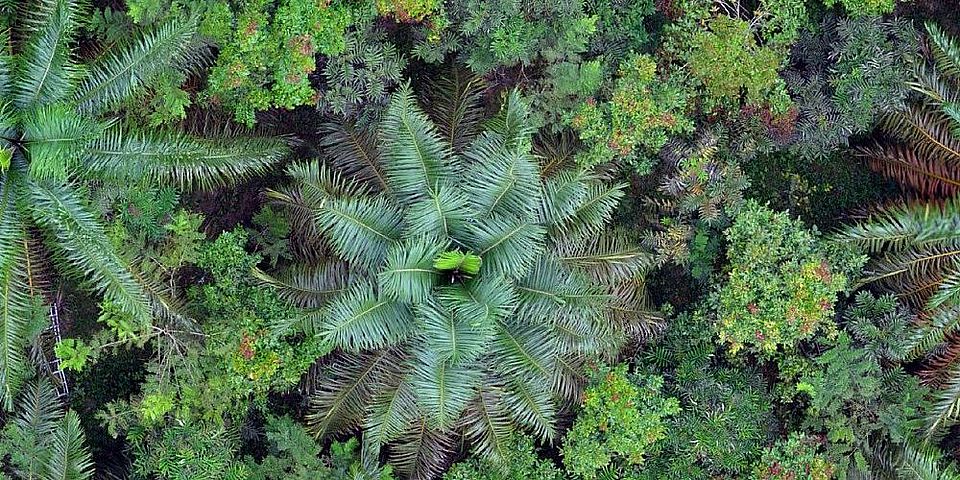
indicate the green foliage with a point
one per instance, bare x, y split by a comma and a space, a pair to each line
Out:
520, 462
782, 283
295, 455
797, 457
72, 354
185, 452
634, 124
863, 8
727, 61
621, 421
457, 261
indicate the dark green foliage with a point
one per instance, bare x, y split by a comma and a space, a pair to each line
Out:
520, 462
189, 451
796, 458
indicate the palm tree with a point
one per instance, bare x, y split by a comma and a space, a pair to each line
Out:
43, 441
57, 134
464, 289
917, 244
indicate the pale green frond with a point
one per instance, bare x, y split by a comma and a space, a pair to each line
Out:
480, 301
445, 211
15, 305
68, 457
524, 350
45, 72
513, 124
124, 71
487, 424
532, 406
57, 137
415, 158
443, 389
123, 155
37, 418
507, 246
408, 274
948, 292
501, 182
350, 383
593, 212
550, 290
562, 194
902, 226
946, 407
946, 50
362, 229
307, 286
390, 414
80, 238
450, 337
359, 320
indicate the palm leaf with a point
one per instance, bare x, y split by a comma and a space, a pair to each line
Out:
340, 403
308, 286
455, 103
390, 413
68, 457
360, 229
501, 182
443, 389
14, 292
946, 50
451, 337
408, 275
487, 423
929, 176
481, 301
358, 320
122, 155
445, 210
513, 124
923, 464
507, 246
80, 238
45, 73
593, 212
57, 137
116, 76
415, 158
422, 453
531, 405
353, 150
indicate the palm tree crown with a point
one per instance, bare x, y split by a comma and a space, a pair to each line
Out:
467, 289
56, 134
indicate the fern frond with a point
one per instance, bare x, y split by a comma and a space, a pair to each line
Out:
123, 155
119, 74
14, 292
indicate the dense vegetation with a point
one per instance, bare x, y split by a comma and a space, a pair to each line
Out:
479, 239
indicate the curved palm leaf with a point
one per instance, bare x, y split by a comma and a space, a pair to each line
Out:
14, 292
46, 73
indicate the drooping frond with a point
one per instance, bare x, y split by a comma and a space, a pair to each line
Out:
930, 177
524, 351
549, 289
593, 212
308, 286
45, 71
415, 157
390, 413
946, 50
452, 337
455, 103
349, 384
507, 246
486, 423
120, 73
353, 150
123, 155
359, 320
422, 453
82, 242
408, 275
923, 464
531, 404
360, 229
903, 226
14, 289
928, 131
502, 181
483, 300
443, 389
562, 195
607, 258
513, 124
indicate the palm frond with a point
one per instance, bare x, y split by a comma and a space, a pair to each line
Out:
6, 65
524, 351
84, 245
946, 50
119, 74
487, 424
46, 72
443, 389
513, 124
308, 286
507, 246
353, 150
531, 405
414, 156
69, 458
607, 258
928, 130
390, 413
482, 300
408, 275
57, 137
923, 464
455, 103
352, 380
501, 181
123, 155
930, 177
422, 453
593, 212
360, 229
452, 337
563, 193
359, 320
903, 226
14, 290
445, 210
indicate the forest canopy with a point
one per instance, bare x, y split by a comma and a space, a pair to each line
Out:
479, 239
